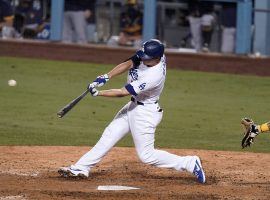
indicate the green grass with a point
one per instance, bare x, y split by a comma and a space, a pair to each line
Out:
201, 110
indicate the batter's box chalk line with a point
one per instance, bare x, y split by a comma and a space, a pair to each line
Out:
18, 197
116, 187
14, 172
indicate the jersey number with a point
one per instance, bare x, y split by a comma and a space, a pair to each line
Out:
142, 86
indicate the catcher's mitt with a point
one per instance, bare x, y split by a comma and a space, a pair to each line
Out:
251, 131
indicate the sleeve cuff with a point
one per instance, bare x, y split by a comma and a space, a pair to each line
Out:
130, 89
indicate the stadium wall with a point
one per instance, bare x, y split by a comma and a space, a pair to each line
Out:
113, 55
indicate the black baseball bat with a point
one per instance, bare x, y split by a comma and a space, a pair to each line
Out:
61, 113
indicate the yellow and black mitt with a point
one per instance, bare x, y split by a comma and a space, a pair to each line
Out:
250, 132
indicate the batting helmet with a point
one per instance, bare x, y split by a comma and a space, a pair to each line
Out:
151, 49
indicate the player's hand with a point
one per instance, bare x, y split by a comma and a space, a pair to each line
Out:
251, 131
101, 80
93, 91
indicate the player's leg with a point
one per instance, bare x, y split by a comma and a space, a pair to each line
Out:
67, 28
195, 28
228, 40
116, 130
80, 24
143, 124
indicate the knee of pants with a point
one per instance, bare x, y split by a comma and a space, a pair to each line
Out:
147, 157
108, 134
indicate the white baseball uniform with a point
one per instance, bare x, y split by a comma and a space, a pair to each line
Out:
140, 117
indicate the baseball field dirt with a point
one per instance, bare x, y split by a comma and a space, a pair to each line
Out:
31, 173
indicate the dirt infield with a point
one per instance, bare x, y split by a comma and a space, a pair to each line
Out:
31, 173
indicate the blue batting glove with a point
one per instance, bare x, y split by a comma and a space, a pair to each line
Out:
101, 80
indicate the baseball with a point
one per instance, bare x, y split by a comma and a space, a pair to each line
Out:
12, 83
257, 54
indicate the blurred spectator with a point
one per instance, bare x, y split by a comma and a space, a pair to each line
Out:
76, 14
6, 19
29, 19
185, 39
207, 23
44, 29
195, 25
131, 21
228, 23
91, 22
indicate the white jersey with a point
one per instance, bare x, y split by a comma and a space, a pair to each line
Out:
145, 84
207, 20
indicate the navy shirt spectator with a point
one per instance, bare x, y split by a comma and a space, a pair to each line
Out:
6, 18
131, 21
228, 15
228, 23
32, 12
31, 17
5, 11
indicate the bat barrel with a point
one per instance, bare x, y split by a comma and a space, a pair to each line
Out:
68, 107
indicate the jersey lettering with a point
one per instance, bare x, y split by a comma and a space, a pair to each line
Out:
134, 74
146, 83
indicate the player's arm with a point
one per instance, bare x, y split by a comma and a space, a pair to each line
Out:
134, 88
114, 93
119, 69
252, 130
109, 93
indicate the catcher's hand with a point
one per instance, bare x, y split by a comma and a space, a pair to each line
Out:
250, 132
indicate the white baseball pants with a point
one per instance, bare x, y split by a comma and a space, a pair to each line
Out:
74, 27
141, 121
228, 40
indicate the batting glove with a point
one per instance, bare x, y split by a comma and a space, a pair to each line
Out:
93, 91
101, 80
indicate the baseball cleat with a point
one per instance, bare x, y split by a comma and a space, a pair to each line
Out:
67, 172
198, 171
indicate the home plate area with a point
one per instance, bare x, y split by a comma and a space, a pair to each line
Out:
31, 173
115, 187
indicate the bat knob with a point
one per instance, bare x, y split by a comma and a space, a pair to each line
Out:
60, 114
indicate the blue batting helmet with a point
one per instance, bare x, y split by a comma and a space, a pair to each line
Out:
151, 49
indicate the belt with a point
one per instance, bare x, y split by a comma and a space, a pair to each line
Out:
138, 102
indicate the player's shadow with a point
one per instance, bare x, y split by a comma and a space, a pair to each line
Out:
254, 183
181, 178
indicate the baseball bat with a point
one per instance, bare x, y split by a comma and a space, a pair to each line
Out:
61, 113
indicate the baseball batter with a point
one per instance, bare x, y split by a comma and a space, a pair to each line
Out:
145, 82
